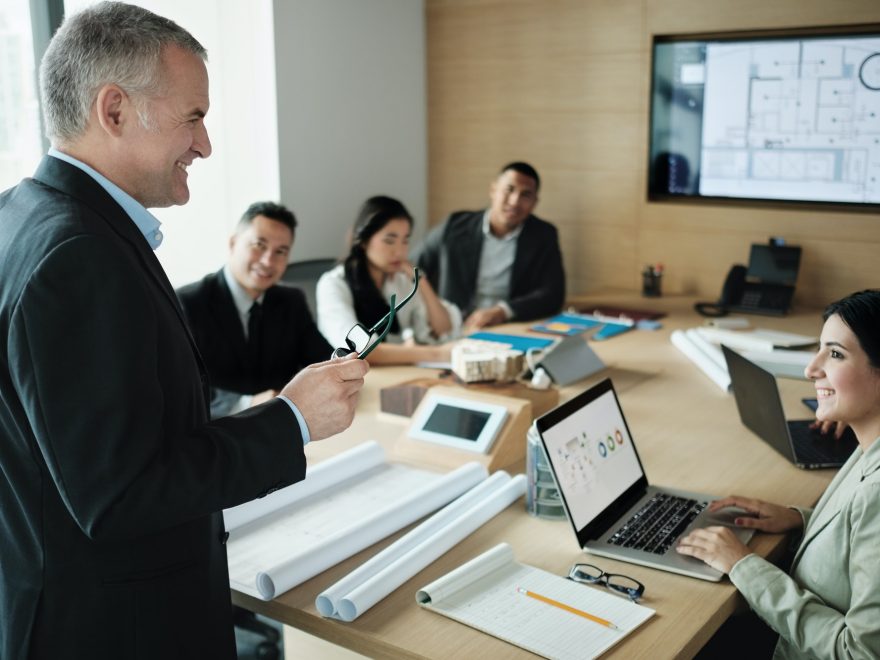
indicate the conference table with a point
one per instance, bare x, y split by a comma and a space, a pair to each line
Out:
689, 436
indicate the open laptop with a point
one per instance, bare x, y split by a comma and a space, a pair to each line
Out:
760, 409
605, 492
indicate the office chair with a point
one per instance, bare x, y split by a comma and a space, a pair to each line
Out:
267, 649
304, 275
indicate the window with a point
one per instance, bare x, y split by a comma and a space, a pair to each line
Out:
20, 142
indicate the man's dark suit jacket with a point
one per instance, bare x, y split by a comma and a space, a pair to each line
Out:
112, 478
450, 259
289, 339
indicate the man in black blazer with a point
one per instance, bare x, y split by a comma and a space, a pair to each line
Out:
113, 478
223, 307
499, 264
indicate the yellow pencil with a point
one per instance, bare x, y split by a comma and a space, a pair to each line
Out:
567, 608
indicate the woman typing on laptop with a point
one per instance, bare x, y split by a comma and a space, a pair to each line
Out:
827, 605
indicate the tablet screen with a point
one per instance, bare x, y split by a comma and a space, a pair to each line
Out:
457, 422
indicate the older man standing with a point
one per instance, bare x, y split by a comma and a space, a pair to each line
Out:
112, 543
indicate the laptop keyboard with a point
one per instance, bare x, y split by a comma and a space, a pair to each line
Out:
655, 526
812, 448
804, 440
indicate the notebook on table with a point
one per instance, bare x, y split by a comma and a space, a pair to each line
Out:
613, 509
760, 409
556, 618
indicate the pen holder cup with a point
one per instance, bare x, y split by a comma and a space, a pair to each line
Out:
542, 497
651, 281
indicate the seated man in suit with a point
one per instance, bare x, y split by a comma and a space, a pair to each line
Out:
253, 334
499, 264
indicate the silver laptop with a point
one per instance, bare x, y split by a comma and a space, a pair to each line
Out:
612, 508
760, 409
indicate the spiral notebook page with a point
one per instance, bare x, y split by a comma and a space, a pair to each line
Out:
491, 601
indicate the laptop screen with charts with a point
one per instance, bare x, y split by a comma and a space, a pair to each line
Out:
760, 409
613, 509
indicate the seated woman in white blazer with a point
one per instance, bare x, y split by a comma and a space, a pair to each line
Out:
359, 291
828, 605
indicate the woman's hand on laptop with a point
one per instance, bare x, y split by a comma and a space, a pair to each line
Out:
760, 515
717, 546
827, 426
720, 548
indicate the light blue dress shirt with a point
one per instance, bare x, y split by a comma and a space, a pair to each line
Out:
145, 221
148, 225
496, 266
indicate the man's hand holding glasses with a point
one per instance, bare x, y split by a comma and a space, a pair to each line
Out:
326, 394
358, 338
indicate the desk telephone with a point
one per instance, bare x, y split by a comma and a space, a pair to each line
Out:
766, 286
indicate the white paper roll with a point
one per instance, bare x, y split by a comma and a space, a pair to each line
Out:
327, 601
712, 351
387, 580
719, 376
324, 475
368, 531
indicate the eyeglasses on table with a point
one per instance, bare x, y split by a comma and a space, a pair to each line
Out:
358, 338
622, 584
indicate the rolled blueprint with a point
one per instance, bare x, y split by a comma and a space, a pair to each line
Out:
366, 532
713, 351
379, 585
324, 475
706, 364
327, 601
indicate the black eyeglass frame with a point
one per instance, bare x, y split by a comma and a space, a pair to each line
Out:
576, 575
386, 320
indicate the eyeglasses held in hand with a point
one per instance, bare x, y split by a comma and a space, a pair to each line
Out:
358, 338
622, 584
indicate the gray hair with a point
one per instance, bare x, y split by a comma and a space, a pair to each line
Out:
110, 42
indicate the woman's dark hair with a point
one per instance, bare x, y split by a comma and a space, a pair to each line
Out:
369, 303
861, 313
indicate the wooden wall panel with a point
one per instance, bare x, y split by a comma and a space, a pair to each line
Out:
683, 16
565, 85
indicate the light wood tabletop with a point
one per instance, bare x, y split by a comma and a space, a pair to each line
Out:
688, 435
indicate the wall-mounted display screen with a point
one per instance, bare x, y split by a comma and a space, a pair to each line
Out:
793, 118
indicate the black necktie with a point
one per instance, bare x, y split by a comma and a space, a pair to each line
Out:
255, 324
